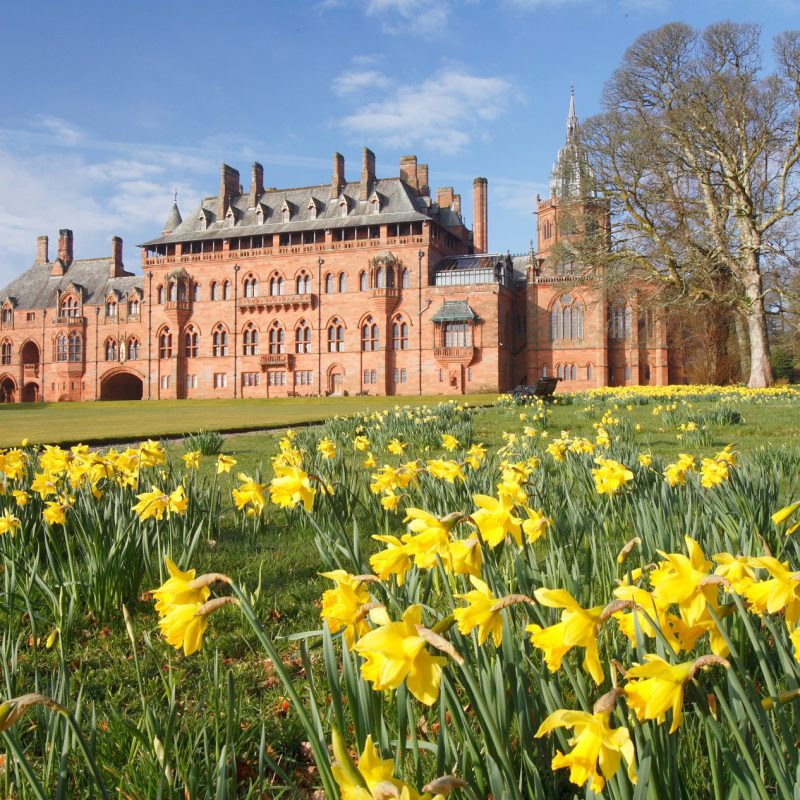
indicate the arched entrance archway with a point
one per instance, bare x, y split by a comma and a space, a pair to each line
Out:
30, 393
8, 390
29, 354
336, 380
121, 386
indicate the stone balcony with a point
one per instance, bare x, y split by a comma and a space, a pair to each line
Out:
30, 372
454, 355
69, 321
275, 360
293, 301
384, 300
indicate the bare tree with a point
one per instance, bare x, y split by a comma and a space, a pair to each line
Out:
698, 153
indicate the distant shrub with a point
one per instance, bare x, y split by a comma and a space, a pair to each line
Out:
209, 443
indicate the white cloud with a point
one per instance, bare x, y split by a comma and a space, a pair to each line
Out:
354, 81
66, 133
425, 17
444, 112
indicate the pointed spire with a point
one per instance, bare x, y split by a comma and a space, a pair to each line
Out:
572, 117
174, 219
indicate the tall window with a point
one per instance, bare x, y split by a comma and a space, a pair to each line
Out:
160, 295
457, 334
165, 344
336, 337
406, 279
173, 291
369, 335
277, 342
226, 290
342, 282
380, 278
75, 347
69, 307
214, 290
219, 342
303, 284
196, 292
61, 348
250, 341
251, 286
133, 348
5, 352
363, 281
566, 318
8, 314
191, 341
302, 338
111, 308
329, 283
276, 286
111, 350
400, 335
133, 307
619, 321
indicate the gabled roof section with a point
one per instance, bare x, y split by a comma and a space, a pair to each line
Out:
455, 311
312, 208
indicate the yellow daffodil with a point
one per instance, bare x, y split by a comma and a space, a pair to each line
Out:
781, 592
464, 557
250, 493
225, 463
9, 523
192, 459
55, 513
370, 462
713, 473
395, 559
449, 442
396, 447
176, 591
327, 447
290, 487
480, 613
779, 517
342, 606
536, 525
183, 627
578, 628
446, 470
655, 687
495, 519
20, 497
361, 443
610, 476
676, 473
595, 744
395, 652
151, 454
645, 459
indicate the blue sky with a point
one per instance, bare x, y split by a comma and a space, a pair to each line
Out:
109, 106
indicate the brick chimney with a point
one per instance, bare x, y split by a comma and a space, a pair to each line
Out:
229, 187
444, 196
367, 173
116, 268
42, 249
408, 171
480, 215
65, 247
256, 183
457, 204
422, 178
338, 182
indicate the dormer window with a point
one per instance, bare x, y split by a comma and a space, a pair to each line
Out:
261, 213
69, 307
230, 218
343, 206
111, 307
313, 208
204, 218
286, 212
375, 204
7, 314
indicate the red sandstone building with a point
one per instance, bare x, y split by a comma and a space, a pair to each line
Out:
369, 286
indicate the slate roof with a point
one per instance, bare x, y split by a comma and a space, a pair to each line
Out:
311, 208
174, 219
455, 311
483, 261
37, 288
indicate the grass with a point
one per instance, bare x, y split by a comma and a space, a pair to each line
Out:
94, 423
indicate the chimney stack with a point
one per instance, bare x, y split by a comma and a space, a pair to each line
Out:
480, 215
41, 250
444, 196
422, 179
256, 183
229, 186
65, 247
116, 269
367, 173
457, 204
408, 172
338, 182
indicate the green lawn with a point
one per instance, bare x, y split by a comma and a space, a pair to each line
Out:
67, 423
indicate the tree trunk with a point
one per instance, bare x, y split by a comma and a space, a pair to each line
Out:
743, 344
760, 364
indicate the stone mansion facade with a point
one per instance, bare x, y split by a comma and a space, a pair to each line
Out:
371, 286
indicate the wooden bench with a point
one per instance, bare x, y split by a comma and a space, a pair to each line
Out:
544, 388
